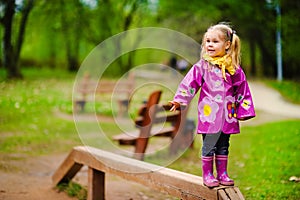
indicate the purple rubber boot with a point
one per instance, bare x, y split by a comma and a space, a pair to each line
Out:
207, 172
222, 176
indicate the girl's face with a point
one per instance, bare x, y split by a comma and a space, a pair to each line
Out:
215, 44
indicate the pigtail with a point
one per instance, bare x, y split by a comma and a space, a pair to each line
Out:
234, 50
203, 46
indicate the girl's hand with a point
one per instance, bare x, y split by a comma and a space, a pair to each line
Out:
175, 105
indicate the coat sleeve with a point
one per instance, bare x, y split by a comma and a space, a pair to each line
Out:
190, 85
244, 103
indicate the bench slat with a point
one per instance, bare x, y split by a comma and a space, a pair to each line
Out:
88, 87
131, 137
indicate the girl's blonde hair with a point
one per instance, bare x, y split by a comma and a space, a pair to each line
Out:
229, 35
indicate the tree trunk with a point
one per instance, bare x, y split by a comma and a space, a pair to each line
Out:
25, 14
9, 61
268, 61
71, 34
11, 55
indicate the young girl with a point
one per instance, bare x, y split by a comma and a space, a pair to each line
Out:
224, 99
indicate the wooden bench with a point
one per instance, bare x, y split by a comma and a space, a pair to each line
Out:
155, 120
175, 183
88, 88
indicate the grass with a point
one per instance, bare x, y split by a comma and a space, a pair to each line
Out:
28, 107
290, 90
73, 189
267, 157
262, 158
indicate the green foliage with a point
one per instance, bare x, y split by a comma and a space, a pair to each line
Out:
62, 33
74, 190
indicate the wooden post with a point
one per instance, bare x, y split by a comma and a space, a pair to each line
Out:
177, 137
96, 184
142, 141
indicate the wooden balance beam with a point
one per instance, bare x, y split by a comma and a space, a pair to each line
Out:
175, 183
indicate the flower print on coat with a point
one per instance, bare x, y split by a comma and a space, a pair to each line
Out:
246, 104
230, 112
219, 84
218, 98
208, 110
217, 71
185, 93
192, 91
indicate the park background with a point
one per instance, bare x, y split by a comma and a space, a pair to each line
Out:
45, 42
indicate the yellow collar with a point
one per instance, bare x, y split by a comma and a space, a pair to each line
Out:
224, 63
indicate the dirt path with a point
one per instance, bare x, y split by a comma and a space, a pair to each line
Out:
270, 101
28, 178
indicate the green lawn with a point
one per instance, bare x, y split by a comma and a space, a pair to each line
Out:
262, 158
28, 107
290, 90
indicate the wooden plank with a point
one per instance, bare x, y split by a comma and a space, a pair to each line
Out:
238, 193
156, 131
222, 195
163, 179
231, 193
96, 184
67, 170
126, 136
162, 132
87, 87
125, 139
179, 184
166, 117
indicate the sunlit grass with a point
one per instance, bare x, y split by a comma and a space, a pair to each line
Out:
27, 118
262, 159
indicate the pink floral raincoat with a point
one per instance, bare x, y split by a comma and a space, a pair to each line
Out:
221, 103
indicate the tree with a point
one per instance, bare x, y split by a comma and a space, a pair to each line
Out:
77, 22
11, 51
256, 26
71, 21
290, 39
112, 17
64, 23
253, 22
